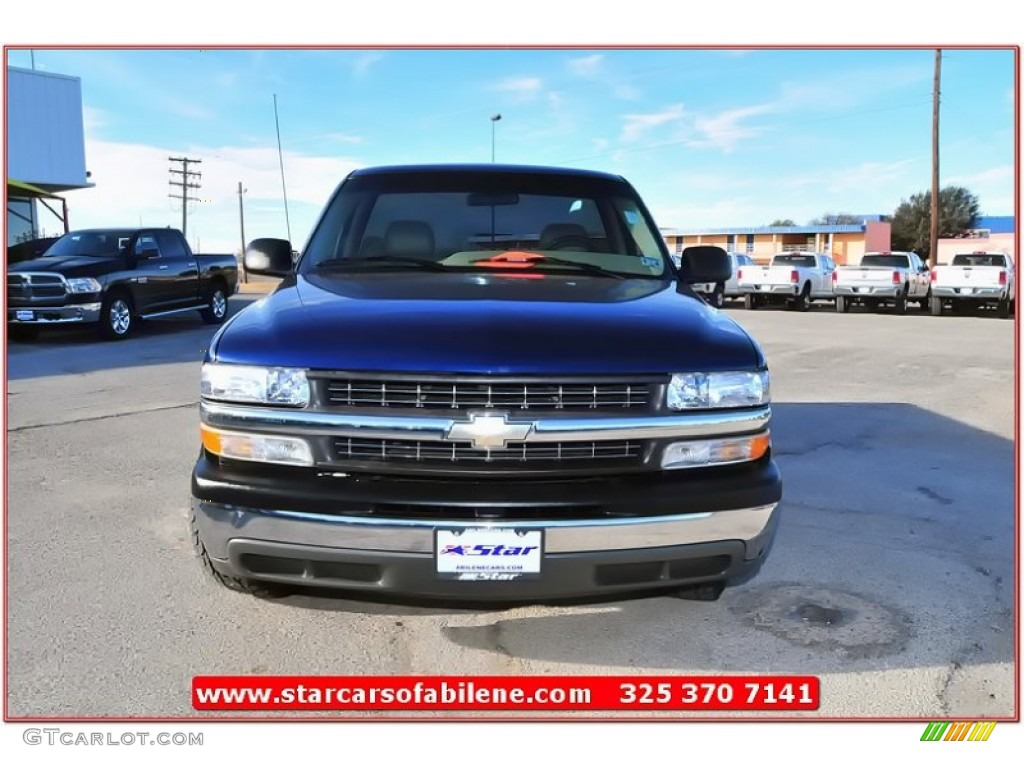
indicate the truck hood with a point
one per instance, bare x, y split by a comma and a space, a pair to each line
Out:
71, 266
484, 324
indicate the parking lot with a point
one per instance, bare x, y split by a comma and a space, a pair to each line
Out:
892, 576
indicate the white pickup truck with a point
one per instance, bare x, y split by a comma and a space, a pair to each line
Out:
795, 278
975, 280
890, 277
716, 294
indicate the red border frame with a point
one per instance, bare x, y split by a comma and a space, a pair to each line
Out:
632, 719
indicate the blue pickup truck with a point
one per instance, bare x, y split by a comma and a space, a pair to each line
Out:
484, 383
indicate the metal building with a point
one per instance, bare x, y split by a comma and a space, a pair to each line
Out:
45, 151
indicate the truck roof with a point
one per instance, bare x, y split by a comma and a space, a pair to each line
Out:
490, 168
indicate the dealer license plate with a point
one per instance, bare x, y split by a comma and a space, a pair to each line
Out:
25, 314
488, 554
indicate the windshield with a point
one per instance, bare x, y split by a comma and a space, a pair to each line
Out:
794, 259
91, 243
883, 260
979, 260
479, 221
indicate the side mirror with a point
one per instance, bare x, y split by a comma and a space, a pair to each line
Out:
268, 256
704, 264
148, 253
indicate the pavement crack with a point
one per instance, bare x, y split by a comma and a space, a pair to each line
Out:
934, 495
856, 444
947, 681
85, 419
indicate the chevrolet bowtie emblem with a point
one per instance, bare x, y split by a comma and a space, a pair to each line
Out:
487, 431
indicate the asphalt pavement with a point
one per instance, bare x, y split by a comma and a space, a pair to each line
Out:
892, 576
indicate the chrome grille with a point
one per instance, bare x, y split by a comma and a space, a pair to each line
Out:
17, 288
425, 453
463, 394
34, 286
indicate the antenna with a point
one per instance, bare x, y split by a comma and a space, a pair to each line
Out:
280, 157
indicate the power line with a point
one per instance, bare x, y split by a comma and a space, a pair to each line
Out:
186, 184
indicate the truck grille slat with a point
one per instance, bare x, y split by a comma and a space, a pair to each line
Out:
421, 452
24, 286
463, 395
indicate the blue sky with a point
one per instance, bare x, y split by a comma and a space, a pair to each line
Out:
708, 137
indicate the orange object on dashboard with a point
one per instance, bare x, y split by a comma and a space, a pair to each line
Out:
510, 260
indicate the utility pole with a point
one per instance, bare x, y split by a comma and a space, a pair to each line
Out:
241, 224
186, 184
933, 234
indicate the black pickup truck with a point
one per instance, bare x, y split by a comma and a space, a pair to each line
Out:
111, 277
485, 382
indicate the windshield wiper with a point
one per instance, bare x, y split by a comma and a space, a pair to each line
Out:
583, 266
381, 261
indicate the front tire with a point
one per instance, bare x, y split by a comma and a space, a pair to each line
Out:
216, 310
116, 317
245, 586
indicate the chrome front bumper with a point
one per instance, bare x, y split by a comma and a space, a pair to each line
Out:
221, 523
73, 313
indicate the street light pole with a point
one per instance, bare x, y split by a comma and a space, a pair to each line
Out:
241, 223
494, 121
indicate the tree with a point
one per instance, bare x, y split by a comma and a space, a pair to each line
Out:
783, 223
836, 218
958, 212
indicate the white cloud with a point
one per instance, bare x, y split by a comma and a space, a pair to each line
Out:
1001, 173
626, 92
993, 186
868, 174
340, 137
522, 87
727, 211
637, 125
853, 88
364, 62
93, 118
586, 66
725, 129
132, 189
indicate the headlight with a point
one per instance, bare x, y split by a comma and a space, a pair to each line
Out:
251, 384
272, 449
84, 285
718, 390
